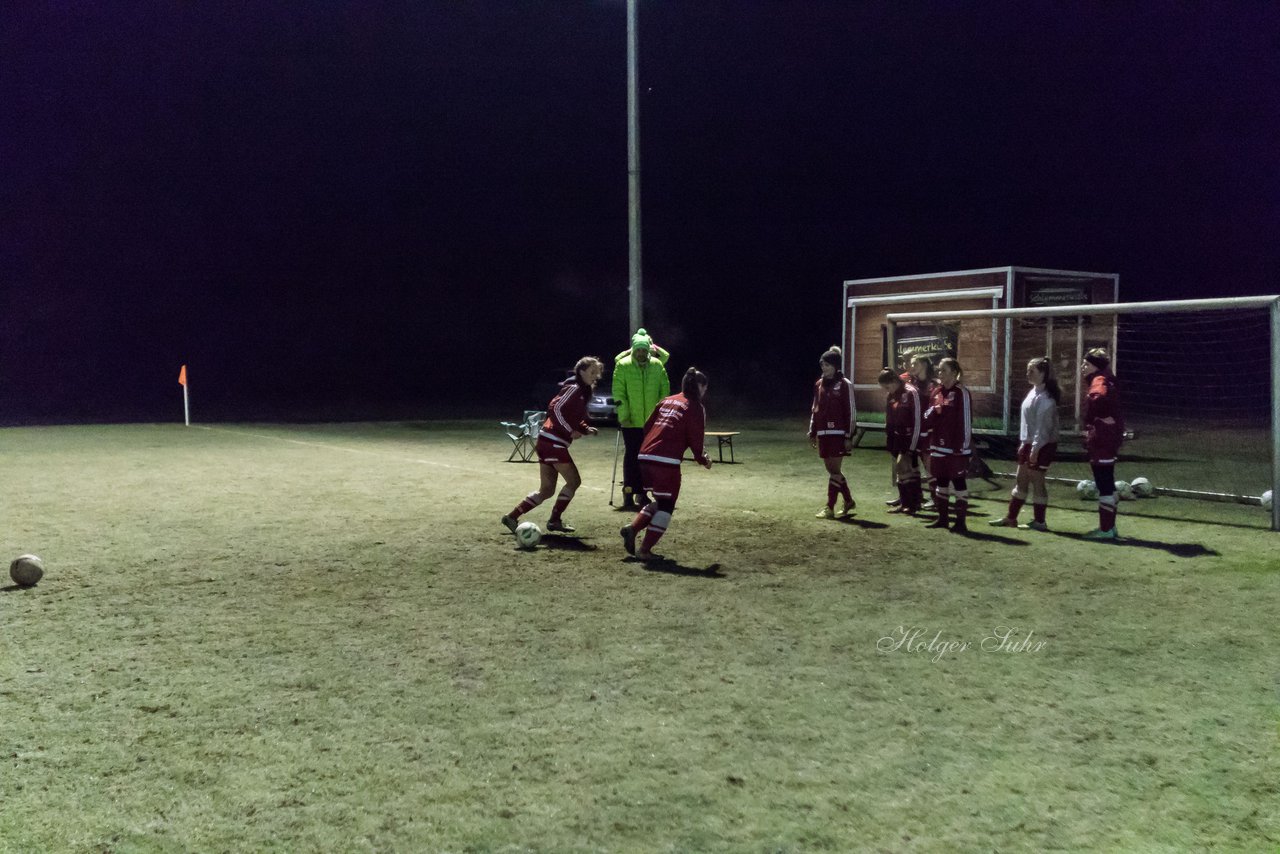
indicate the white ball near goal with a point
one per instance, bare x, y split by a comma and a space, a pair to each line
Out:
528, 535
26, 570
1266, 500
1124, 490
1087, 490
1142, 487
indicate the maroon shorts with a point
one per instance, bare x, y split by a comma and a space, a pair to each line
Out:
949, 466
550, 452
897, 443
832, 446
661, 480
1044, 459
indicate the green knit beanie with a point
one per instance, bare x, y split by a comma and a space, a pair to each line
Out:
641, 340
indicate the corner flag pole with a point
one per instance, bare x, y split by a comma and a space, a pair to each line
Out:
186, 407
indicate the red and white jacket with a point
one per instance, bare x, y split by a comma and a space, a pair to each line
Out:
677, 423
1103, 401
832, 413
903, 415
567, 413
950, 422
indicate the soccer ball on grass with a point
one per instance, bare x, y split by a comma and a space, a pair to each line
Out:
1124, 490
527, 535
1087, 490
1266, 500
26, 570
1142, 487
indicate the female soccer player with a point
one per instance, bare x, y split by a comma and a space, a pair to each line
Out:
1038, 445
951, 444
566, 421
678, 422
831, 420
1103, 433
921, 375
902, 438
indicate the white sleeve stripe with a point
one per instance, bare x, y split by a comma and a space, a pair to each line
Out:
560, 402
853, 413
915, 418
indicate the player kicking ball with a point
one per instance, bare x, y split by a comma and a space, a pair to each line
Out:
566, 421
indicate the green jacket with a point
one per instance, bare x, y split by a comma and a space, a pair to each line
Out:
638, 388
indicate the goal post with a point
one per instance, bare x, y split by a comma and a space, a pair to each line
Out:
1199, 378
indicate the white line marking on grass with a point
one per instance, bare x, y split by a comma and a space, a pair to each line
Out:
365, 451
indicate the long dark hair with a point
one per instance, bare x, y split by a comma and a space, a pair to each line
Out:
1045, 367
689, 385
926, 362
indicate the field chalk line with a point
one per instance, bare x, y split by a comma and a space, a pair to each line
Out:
365, 451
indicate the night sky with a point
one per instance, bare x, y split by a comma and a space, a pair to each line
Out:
359, 210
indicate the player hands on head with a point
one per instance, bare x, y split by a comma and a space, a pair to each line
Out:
1103, 434
566, 421
831, 421
677, 423
902, 421
951, 438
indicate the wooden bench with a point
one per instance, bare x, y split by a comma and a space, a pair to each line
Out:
725, 440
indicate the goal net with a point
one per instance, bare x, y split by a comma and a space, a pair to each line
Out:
1197, 379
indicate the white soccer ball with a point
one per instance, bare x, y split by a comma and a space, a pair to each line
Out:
1142, 487
26, 570
528, 535
1266, 500
1124, 490
1087, 490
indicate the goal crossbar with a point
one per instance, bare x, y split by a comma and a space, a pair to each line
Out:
1077, 310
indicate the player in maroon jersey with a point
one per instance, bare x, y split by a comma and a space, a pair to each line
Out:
1103, 433
902, 420
949, 420
678, 422
566, 421
921, 375
831, 422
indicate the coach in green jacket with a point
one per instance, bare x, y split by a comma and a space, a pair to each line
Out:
639, 383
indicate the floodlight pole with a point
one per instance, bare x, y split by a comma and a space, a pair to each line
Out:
633, 175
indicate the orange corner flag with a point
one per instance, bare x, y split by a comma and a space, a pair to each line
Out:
182, 376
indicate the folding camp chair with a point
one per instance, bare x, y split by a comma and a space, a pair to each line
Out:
524, 435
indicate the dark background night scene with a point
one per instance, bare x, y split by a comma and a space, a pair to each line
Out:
364, 210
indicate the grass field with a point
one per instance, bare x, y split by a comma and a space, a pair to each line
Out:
257, 637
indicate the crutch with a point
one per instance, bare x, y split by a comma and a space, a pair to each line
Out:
613, 481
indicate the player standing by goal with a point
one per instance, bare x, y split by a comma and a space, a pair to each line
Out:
1037, 445
902, 438
678, 422
831, 421
566, 421
921, 375
1103, 433
950, 425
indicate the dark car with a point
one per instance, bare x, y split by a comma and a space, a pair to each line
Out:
601, 408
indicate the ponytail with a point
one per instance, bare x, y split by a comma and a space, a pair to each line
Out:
690, 385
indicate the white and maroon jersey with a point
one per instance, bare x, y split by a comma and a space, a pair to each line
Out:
567, 413
903, 415
832, 413
677, 423
950, 423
